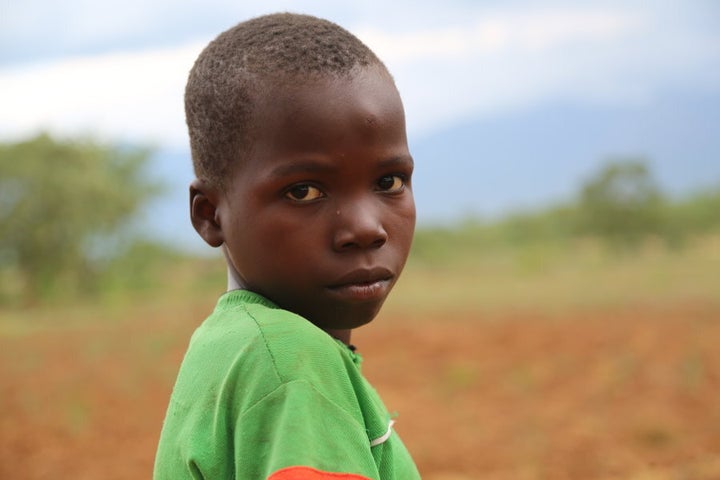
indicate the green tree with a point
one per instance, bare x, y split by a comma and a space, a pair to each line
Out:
698, 213
57, 199
622, 203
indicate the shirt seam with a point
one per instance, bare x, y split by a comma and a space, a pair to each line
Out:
276, 370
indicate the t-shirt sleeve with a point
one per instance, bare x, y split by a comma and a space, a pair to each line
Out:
297, 433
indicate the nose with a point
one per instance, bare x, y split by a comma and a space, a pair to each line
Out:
358, 226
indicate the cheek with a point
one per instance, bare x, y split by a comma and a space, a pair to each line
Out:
408, 213
289, 237
259, 237
403, 224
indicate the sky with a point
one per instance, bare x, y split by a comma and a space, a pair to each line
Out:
116, 70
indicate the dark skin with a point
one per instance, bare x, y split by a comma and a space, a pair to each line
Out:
319, 217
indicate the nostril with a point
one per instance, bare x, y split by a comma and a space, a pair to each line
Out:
360, 239
378, 242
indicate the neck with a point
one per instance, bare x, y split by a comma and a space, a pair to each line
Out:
342, 335
233, 282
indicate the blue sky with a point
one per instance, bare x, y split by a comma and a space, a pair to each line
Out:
117, 68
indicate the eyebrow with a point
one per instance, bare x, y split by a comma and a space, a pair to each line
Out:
403, 160
303, 166
314, 166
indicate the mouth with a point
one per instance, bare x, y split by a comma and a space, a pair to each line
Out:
363, 285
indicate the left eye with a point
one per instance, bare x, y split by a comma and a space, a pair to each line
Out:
304, 193
391, 183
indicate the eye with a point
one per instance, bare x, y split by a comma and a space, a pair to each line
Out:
303, 192
391, 183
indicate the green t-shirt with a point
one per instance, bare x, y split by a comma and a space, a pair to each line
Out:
262, 390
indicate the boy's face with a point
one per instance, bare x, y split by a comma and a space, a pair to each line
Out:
320, 217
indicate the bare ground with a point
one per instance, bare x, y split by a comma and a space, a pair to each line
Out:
631, 394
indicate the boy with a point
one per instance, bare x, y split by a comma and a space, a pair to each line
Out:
303, 178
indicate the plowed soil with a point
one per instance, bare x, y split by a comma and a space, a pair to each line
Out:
623, 394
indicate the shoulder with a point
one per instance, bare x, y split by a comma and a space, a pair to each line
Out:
242, 318
242, 352
247, 333
299, 350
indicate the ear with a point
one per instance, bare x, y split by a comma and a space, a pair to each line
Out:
204, 214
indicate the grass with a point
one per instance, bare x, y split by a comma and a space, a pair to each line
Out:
560, 278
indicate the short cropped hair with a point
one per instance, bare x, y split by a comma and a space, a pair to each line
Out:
252, 57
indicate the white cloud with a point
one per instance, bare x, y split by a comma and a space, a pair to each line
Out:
127, 96
504, 60
490, 62
497, 34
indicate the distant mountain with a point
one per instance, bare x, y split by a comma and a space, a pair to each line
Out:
527, 159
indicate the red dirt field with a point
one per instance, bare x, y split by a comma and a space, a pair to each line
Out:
631, 394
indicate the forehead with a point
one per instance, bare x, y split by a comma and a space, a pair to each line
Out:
315, 111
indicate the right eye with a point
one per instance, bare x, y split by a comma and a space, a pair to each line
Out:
303, 192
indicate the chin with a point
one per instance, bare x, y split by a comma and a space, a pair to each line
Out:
347, 318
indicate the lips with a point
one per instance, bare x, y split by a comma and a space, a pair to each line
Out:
363, 285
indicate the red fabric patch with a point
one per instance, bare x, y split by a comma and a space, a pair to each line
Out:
308, 473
